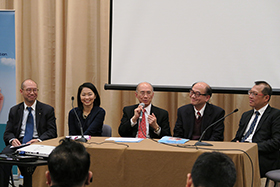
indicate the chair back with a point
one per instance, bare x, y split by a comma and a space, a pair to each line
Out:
106, 131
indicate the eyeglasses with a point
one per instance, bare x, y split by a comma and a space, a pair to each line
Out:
197, 94
143, 93
254, 94
29, 90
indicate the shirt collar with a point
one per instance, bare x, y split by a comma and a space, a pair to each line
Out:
261, 111
33, 106
201, 111
148, 109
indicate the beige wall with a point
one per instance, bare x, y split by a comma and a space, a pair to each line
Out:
61, 44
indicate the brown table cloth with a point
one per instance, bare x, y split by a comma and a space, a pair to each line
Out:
149, 163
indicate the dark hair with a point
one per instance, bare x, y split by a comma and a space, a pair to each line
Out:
93, 88
212, 169
267, 90
208, 89
69, 164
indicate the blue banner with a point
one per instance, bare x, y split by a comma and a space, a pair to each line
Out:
7, 68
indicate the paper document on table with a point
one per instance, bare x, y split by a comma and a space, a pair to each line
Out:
74, 137
173, 140
127, 140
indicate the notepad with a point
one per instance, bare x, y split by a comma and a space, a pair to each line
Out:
126, 140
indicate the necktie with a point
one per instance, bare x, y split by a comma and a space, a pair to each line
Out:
29, 128
199, 115
247, 134
142, 129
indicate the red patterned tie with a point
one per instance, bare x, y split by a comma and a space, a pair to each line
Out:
199, 115
142, 127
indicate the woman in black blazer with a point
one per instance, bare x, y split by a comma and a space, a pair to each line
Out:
89, 112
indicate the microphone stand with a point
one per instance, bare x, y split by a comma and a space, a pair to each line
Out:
200, 143
82, 139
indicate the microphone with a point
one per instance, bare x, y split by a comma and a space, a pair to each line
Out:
82, 139
199, 143
141, 113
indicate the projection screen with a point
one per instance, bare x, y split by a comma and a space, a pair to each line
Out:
173, 43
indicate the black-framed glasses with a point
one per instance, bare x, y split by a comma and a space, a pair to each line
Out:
197, 94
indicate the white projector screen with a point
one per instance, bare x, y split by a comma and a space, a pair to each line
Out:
173, 43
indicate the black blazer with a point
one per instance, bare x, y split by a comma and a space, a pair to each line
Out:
92, 125
125, 129
267, 136
186, 119
45, 122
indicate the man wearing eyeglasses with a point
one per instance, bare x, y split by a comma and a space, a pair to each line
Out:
194, 118
261, 125
144, 121
29, 122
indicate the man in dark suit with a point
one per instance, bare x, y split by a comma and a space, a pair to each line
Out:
154, 122
29, 122
194, 118
262, 126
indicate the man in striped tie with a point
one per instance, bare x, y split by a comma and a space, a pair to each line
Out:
261, 125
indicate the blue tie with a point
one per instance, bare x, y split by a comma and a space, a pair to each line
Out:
29, 127
251, 128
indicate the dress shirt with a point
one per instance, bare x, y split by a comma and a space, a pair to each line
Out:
147, 112
201, 111
261, 111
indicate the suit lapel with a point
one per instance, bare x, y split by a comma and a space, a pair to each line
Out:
206, 117
190, 117
263, 118
38, 113
20, 115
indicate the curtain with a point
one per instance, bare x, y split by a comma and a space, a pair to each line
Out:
61, 44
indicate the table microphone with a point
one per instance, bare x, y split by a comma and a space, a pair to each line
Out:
82, 139
199, 143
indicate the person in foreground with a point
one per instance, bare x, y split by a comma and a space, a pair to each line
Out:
90, 114
29, 122
212, 169
155, 121
261, 125
194, 118
68, 165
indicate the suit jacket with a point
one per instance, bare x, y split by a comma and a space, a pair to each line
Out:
267, 136
92, 125
125, 129
186, 119
45, 122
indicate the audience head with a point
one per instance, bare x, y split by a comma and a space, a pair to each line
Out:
212, 169
200, 94
68, 165
87, 95
260, 94
29, 91
144, 93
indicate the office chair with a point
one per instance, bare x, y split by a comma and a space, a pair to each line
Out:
273, 175
106, 131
